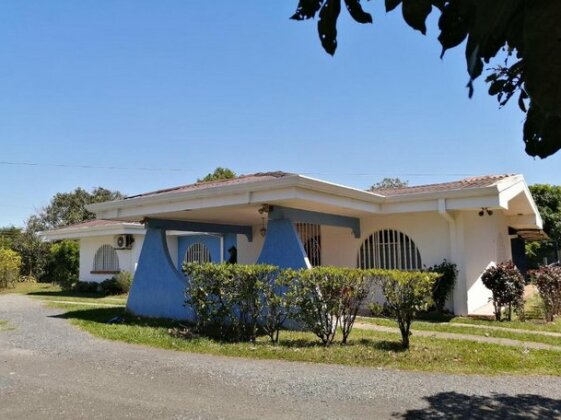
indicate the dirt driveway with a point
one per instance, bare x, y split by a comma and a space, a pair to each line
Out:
50, 369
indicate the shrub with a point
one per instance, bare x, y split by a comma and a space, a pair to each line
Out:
444, 285
507, 286
548, 282
63, 264
329, 297
118, 284
377, 310
279, 299
124, 279
10, 265
209, 294
235, 299
406, 293
86, 287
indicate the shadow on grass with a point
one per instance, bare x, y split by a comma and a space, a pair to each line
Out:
452, 405
69, 293
103, 315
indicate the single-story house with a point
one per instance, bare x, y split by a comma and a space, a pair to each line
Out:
296, 221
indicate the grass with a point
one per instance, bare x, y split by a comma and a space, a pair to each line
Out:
52, 292
514, 334
366, 348
4, 325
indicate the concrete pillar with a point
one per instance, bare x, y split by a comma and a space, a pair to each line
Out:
158, 288
282, 246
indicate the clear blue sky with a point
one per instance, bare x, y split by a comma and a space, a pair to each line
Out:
184, 86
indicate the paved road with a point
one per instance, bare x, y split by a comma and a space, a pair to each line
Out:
49, 369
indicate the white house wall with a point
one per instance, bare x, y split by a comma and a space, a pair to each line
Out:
127, 257
486, 242
248, 252
428, 231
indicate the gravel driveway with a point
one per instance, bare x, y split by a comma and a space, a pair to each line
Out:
50, 369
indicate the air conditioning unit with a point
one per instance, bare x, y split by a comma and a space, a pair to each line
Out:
123, 241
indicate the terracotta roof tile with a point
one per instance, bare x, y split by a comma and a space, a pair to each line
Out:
242, 179
462, 184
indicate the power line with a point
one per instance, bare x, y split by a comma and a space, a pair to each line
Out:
156, 169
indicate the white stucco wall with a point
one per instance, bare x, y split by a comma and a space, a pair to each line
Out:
486, 243
248, 252
429, 231
128, 258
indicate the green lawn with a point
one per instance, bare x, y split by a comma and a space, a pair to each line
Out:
366, 348
49, 291
515, 334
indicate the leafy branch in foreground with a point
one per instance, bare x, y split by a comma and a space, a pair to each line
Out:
529, 31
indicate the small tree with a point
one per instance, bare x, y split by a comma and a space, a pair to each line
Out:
63, 263
219, 173
328, 298
406, 293
389, 184
10, 264
318, 293
279, 302
444, 285
548, 282
353, 292
507, 286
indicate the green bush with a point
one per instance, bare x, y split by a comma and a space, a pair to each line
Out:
507, 286
236, 298
86, 287
63, 264
118, 284
378, 310
548, 282
444, 285
10, 265
328, 298
406, 294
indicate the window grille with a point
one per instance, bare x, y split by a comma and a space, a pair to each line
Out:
198, 252
389, 249
106, 259
310, 235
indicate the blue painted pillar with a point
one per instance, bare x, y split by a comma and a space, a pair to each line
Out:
282, 246
158, 288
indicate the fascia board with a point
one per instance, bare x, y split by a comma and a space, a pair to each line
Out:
418, 206
450, 194
230, 195
172, 197
93, 231
337, 201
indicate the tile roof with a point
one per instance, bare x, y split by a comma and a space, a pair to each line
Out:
462, 184
242, 179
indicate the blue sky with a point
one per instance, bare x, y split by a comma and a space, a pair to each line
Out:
180, 87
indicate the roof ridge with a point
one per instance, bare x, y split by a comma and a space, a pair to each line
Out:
274, 174
460, 181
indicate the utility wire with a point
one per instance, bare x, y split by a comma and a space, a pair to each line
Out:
155, 169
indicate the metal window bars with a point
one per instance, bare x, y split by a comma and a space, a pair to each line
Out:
310, 235
389, 249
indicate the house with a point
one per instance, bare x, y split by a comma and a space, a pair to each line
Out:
291, 220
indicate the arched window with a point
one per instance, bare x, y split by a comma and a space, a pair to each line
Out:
198, 252
106, 259
389, 249
310, 235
